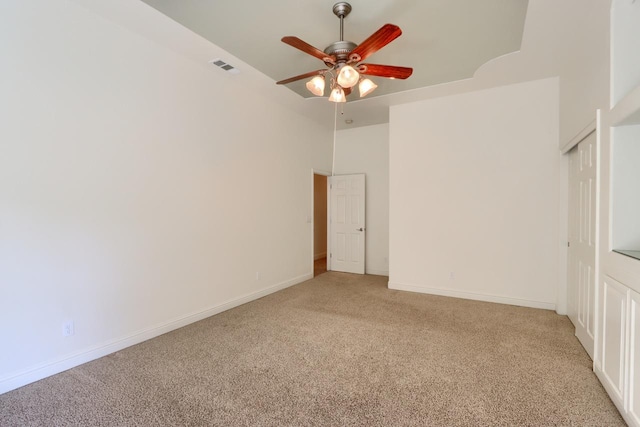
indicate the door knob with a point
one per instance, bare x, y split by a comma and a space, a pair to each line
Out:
360, 229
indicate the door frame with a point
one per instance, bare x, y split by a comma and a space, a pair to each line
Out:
312, 217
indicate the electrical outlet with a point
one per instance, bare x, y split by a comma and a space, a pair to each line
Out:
67, 328
452, 275
257, 275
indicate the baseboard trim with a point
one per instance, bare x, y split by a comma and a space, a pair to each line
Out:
377, 272
319, 256
47, 369
472, 296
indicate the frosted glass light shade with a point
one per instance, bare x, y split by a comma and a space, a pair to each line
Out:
365, 87
348, 76
316, 85
337, 95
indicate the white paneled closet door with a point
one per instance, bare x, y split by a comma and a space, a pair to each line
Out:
582, 240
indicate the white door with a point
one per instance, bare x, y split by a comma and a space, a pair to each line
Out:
582, 240
347, 224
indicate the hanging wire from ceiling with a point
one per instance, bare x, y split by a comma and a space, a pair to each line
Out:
335, 131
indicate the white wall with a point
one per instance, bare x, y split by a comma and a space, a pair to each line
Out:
139, 190
625, 61
366, 150
569, 39
474, 195
625, 194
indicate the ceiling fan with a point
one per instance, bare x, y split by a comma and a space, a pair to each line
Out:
343, 60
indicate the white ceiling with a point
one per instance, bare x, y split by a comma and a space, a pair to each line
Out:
561, 39
443, 40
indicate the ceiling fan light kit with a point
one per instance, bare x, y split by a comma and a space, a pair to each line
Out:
316, 85
342, 59
348, 76
365, 87
337, 95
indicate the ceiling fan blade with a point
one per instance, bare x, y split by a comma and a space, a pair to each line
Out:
307, 48
301, 76
389, 71
376, 41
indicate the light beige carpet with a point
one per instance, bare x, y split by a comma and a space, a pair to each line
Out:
337, 350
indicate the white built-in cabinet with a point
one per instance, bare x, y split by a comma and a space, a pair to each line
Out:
633, 362
617, 341
621, 348
614, 336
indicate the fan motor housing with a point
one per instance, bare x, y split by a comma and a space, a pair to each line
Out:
340, 49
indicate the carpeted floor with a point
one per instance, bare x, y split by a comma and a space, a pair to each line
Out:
337, 350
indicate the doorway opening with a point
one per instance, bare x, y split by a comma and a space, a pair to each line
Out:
320, 183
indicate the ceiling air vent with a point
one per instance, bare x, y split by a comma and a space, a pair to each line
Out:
227, 67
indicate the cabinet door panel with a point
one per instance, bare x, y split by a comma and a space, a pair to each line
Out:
614, 321
633, 404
